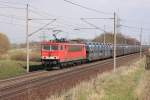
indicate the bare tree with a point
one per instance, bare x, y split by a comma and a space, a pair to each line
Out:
121, 39
4, 43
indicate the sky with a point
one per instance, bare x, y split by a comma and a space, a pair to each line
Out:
132, 13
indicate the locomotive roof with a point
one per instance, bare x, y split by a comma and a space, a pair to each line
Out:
61, 43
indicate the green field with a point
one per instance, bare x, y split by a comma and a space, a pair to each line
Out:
11, 68
13, 62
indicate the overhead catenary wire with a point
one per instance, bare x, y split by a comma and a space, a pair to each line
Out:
85, 28
98, 18
8, 7
39, 13
34, 9
5, 4
21, 25
42, 27
87, 8
96, 27
49, 15
12, 17
14, 3
134, 27
11, 6
63, 24
42, 13
18, 24
17, 18
40, 23
77, 5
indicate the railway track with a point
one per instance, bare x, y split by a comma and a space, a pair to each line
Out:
15, 87
21, 77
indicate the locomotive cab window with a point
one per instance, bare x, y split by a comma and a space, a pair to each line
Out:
54, 47
50, 47
46, 47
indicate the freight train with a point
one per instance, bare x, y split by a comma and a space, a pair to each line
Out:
63, 53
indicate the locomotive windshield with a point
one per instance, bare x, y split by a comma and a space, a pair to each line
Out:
50, 47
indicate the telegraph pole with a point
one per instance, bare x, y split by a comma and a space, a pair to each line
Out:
30, 34
141, 42
114, 42
104, 35
27, 37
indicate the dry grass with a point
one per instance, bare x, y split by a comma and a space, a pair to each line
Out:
120, 85
143, 90
20, 55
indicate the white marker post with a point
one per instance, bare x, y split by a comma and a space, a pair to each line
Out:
27, 37
114, 42
141, 43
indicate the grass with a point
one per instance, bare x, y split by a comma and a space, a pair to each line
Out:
121, 85
13, 63
11, 68
143, 89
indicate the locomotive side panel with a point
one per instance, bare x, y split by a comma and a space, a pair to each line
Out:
53, 53
75, 52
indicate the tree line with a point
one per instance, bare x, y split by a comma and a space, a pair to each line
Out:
109, 38
121, 39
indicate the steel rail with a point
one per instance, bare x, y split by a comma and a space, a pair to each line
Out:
15, 89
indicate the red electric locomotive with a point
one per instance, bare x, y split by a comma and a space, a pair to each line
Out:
59, 53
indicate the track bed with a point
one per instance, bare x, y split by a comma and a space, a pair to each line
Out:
42, 84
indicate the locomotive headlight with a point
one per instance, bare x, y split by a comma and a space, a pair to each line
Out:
44, 57
53, 57
49, 57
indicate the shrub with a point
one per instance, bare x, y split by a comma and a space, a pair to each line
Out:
4, 43
4, 57
21, 56
35, 57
